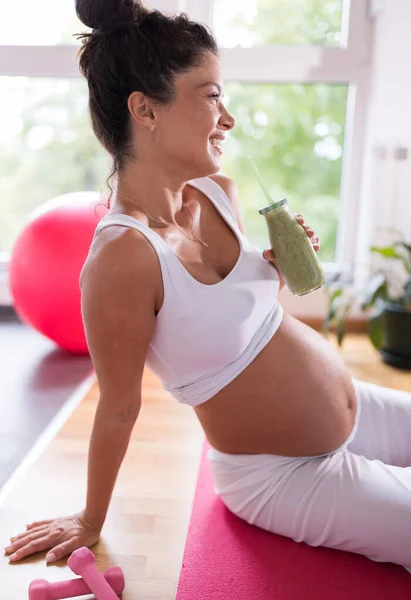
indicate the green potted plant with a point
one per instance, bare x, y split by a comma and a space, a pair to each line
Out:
387, 303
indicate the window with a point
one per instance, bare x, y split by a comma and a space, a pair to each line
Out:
45, 22
250, 22
295, 133
295, 76
47, 147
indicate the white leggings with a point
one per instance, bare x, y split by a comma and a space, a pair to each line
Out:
357, 498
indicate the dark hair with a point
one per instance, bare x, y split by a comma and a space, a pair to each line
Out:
131, 49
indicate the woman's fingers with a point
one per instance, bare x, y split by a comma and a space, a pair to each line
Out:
309, 231
63, 549
38, 523
37, 545
26, 533
268, 255
27, 539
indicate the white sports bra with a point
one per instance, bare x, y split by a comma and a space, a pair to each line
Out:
205, 335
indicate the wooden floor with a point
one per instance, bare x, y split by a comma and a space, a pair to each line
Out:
147, 523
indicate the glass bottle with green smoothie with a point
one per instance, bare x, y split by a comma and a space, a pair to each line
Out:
292, 247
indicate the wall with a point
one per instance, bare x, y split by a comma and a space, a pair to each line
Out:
386, 193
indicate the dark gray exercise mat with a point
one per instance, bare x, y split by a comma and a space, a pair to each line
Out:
36, 379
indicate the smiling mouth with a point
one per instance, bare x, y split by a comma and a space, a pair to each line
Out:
216, 143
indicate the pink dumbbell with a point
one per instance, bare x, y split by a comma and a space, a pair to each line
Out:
82, 562
40, 589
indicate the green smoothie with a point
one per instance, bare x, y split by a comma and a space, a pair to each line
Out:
293, 250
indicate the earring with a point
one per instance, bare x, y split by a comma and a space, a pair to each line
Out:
152, 127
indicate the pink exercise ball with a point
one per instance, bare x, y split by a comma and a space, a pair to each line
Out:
45, 266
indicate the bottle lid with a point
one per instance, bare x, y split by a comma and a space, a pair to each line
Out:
272, 206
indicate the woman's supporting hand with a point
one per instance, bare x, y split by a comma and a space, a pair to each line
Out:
61, 536
269, 254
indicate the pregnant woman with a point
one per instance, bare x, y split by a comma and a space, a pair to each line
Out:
298, 447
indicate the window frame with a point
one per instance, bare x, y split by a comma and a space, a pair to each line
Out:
350, 64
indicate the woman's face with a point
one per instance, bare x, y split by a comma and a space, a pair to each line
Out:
188, 129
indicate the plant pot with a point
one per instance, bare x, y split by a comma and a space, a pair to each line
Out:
396, 350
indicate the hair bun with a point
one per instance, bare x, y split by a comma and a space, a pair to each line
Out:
108, 15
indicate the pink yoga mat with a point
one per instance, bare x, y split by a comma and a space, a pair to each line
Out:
227, 559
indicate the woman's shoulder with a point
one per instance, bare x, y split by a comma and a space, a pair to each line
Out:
118, 246
225, 182
231, 191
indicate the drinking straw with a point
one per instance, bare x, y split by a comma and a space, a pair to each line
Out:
260, 180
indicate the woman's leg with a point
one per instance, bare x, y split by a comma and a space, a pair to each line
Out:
342, 500
384, 424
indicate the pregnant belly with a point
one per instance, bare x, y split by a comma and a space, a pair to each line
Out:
295, 399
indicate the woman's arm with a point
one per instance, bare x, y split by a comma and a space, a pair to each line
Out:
118, 307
